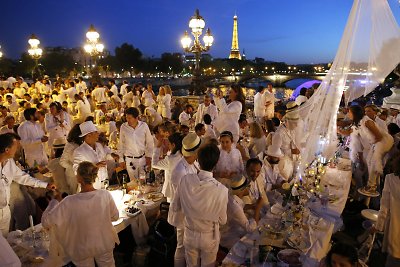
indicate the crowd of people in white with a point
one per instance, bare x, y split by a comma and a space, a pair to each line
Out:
221, 168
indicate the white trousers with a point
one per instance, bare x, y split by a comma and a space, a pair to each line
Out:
103, 260
375, 158
5, 218
179, 258
135, 167
201, 248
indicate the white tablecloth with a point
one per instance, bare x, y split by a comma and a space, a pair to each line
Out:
138, 223
338, 181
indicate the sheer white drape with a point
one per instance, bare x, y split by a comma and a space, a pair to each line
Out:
368, 52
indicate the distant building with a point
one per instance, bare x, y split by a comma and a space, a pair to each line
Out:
77, 53
191, 59
235, 52
243, 55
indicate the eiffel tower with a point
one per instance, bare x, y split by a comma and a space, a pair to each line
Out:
235, 53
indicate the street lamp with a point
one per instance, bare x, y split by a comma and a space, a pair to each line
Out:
34, 51
1, 53
197, 24
93, 45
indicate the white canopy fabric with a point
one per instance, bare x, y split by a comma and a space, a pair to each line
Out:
368, 52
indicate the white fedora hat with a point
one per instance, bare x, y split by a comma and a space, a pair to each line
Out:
87, 127
238, 184
274, 151
291, 111
190, 144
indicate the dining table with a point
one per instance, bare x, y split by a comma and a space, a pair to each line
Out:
40, 248
309, 236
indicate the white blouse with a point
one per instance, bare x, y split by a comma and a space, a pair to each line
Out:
83, 223
230, 162
228, 118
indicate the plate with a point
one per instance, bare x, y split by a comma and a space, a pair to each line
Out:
290, 256
155, 196
132, 214
370, 214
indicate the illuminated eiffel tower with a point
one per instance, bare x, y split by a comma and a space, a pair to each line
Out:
235, 53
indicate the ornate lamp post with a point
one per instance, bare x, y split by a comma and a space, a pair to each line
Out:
197, 24
93, 47
35, 51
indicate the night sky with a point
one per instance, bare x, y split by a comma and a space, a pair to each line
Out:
295, 31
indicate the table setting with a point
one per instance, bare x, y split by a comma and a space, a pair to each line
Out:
35, 246
296, 230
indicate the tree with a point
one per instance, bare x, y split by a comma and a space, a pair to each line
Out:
7, 66
129, 58
171, 63
57, 62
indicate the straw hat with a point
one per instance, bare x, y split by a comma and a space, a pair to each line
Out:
87, 127
190, 144
238, 184
59, 142
274, 151
291, 111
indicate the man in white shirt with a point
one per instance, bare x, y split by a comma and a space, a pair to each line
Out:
92, 151
187, 165
257, 194
136, 145
185, 118
238, 224
277, 168
10, 103
301, 98
289, 135
9, 123
148, 96
206, 108
81, 85
99, 94
269, 102
113, 87
19, 91
22, 83
33, 139
11, 173
123, 90
70, 92
203, 201
259, 105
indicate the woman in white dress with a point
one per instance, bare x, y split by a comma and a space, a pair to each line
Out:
167, 102
168, 163
160, 100
368, 144
82, 223
67, 159
258, 141
228, 117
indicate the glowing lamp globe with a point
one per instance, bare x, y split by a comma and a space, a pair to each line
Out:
197, 23
186, 41
208, 38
